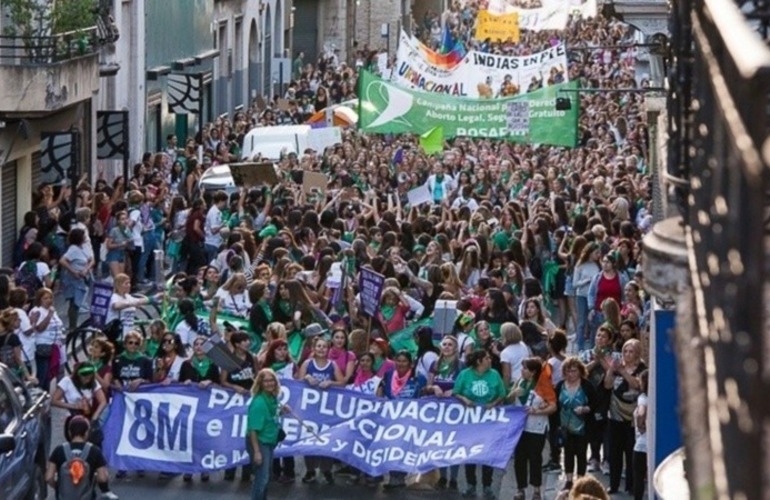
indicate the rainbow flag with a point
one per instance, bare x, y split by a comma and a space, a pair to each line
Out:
446, 61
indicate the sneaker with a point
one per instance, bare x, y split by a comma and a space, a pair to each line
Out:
606, 468
328, 477
520, 495
488, 493
441, 484
187, 478
309, 477
536, 496
470, 491
593, 465
110, 495
205, 477
453, 485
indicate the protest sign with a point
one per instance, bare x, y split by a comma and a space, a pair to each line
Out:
100, 302
186, 429
370, 284
553, 15
419, 195
313, 180
388, 109
478, 74
517, 117
319, 139
497, 27
253, 174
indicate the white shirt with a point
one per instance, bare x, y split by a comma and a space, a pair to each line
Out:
237, 305
556, 375
186, 333
176, 368
463, 341
42, 270
27, 339
514, 354
87, 246
213, 222
536, 424
73, 395
53, 333
126, 315
135, 221
425, 362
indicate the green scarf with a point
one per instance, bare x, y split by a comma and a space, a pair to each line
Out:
279, 365
377, 364
131, 357
152, 347
445, 367
201, 365
387, 312
98, 363
527, 386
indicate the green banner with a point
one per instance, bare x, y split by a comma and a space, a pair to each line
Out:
385, 108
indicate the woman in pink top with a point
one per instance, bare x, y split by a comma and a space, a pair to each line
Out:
393, 310
341, 356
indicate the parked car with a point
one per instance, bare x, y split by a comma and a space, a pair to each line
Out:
25, 436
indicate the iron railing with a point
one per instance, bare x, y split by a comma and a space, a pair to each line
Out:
35, 50
720, 82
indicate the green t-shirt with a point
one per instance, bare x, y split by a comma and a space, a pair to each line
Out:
263, 418
481, 389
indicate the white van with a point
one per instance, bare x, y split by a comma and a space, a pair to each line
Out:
269, 142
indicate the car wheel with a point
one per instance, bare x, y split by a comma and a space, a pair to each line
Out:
39, 490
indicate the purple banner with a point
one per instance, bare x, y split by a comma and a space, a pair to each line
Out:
185, 429
101, 294
370, 284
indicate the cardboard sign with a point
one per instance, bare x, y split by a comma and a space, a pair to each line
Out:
261, 104
313, 180
253, 174
419, 195
321, 138
282, 104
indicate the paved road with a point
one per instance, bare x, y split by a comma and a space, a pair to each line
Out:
154, 488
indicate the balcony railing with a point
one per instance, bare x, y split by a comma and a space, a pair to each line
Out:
36, 50
718, 135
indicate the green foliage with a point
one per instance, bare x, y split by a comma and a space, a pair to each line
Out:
72, 15
37, 17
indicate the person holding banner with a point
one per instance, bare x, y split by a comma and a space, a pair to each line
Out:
479, 384
278, 359
529, 450
402, 382
263, 429
320, 371
240, 381
441, 380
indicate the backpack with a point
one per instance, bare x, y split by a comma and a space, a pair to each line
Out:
76, 479
26, 278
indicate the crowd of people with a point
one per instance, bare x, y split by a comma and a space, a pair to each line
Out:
536, 249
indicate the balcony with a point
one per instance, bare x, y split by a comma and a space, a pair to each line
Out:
43, 74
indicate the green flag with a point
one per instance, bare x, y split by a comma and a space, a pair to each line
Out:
432, 141
386, 108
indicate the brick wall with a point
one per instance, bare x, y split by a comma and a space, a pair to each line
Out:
333, 14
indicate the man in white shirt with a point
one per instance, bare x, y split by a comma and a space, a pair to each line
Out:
214, 225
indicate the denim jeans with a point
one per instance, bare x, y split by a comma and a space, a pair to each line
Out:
581, 328
262, 473
150, 244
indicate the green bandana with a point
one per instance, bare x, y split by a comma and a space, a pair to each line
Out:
387, 312
279, 365
201, 365
131, 356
